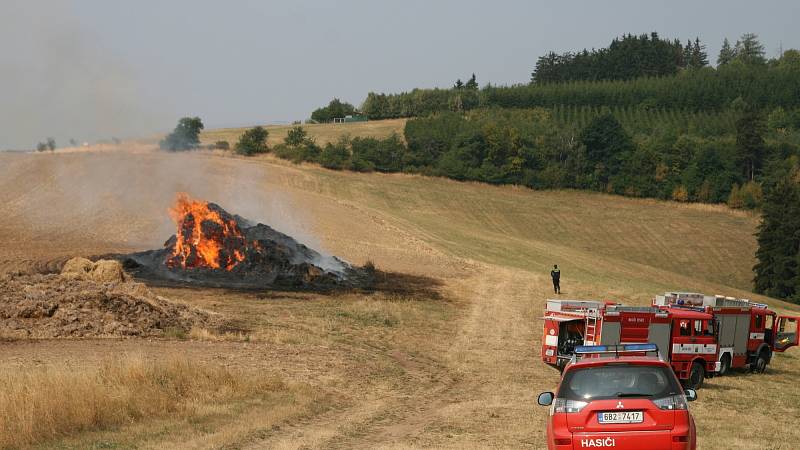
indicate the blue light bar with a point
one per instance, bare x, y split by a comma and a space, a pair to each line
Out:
626, 348
582, 349
640, 347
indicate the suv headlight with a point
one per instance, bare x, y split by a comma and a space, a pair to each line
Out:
562, 405
673, 402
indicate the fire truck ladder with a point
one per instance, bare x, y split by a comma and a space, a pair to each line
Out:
590, 335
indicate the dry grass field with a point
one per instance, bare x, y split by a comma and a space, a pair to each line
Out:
321, 133
449, 361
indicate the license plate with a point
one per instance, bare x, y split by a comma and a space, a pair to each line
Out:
620, 417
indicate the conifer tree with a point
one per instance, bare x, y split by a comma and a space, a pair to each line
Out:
726, 53
472, 83
750, 142
687, 54
699, 55
777, 272
749, 50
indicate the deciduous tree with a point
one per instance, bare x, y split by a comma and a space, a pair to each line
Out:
186, 135
607, 145
336, 109
253, 141
296, 136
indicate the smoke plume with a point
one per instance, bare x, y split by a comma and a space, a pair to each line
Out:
57, 80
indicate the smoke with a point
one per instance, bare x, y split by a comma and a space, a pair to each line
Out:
248, 195
57, 80
120, 199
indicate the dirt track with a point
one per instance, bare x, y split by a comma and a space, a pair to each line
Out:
478, 396
459, 372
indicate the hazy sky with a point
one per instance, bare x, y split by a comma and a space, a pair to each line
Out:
97, 68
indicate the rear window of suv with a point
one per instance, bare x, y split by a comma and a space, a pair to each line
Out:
618, 381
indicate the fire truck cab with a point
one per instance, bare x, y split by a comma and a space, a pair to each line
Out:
746, 332
685, 337
699, 335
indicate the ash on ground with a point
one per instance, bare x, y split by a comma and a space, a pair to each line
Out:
90, 299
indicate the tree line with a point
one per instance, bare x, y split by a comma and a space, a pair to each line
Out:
708, 89
626, 58
631, 152
633, 71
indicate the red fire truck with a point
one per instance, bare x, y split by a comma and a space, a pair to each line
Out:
700, 335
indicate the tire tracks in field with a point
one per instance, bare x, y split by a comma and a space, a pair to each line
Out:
481, 380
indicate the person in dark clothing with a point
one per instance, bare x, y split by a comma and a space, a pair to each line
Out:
556, 274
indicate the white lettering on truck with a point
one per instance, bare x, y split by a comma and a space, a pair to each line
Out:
597, 443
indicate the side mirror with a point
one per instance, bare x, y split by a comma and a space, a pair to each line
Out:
691, 395
546, 398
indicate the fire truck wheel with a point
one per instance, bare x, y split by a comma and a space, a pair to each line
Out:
725, 365
696, 376
760, 365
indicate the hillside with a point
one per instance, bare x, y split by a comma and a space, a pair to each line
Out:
450, 362
643, 117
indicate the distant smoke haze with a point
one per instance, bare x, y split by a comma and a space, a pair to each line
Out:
57, 80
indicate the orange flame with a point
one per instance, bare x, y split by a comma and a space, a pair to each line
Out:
200, 245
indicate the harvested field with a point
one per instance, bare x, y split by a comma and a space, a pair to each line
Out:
444, 356
321, 133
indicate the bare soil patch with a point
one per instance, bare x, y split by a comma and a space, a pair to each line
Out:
49, 306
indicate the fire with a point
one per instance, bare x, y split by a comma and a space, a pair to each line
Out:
206, 237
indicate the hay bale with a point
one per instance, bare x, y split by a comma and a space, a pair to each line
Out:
77, 267
103, 271
107, 271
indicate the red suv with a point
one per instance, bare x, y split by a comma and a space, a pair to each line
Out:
618, 397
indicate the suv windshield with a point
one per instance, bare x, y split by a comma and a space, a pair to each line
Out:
617, 381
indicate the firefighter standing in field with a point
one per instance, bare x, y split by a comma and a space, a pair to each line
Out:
556, 275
